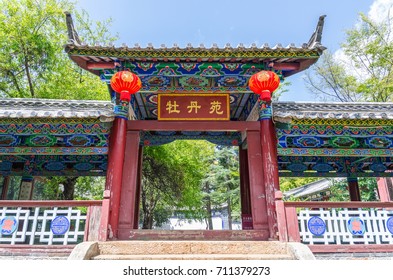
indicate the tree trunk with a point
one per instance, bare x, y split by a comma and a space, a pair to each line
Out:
15, 83
69, 188
150, 222
208, 206
27, 69
209, 213
147, 210
147, 220
229, 208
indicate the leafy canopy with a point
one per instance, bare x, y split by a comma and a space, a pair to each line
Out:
33, 63
362, 70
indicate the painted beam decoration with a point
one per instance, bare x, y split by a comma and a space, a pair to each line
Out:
54, 137
334, 139
193, 107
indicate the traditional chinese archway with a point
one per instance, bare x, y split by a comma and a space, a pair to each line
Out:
203, 94
197, 93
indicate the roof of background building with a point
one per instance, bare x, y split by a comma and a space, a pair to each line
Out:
311, 188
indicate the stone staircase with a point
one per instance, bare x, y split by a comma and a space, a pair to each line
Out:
190, 250
35, 252
192, 235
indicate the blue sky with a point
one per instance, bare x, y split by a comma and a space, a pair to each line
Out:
229, 21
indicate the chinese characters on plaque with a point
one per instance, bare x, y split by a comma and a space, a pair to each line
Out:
197, 107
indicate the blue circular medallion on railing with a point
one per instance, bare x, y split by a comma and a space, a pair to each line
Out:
8, 225
316, 226
389, 225
356, 226
60, 225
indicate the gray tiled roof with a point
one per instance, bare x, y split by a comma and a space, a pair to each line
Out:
49, 108
285, 111
314, 42
312, 188
282, 111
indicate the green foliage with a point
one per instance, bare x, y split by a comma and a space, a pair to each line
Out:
329, 79
288, 183
48, 188
33, 63
89, 188
281, 89
52, 188
221, 184
365, 73
171, 178
370, 48
13, 188
338, 191
367, 186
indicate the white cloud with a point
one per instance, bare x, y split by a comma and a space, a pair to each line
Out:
340, 57
379, 9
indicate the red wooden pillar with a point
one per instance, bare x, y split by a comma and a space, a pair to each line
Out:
257, 190
129, 203
138, 188
114, 174
104, 221
385, 189
245, 190
270, 165
353, 187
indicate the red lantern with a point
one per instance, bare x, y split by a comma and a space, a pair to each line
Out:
264, 83
125, 83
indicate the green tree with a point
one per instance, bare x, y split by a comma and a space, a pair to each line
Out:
171, 179
79, 188
221, 184
367, 187
33, 63
364, 73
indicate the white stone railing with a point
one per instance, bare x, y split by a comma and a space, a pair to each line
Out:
346, 226
48, 222
336, 226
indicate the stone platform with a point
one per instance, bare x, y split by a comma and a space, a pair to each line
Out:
190, 250
217, 235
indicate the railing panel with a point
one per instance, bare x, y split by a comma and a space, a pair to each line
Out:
346, 226
42, 223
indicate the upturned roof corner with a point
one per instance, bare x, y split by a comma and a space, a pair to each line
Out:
316, 37
73, 36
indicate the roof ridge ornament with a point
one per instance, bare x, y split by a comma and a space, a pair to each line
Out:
73, 36
316, 37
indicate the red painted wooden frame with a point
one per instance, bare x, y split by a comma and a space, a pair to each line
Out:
193, 126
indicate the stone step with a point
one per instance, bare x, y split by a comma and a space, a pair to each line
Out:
191, 247
196, 257
190, 250
33, 257
218, 235
34, 252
